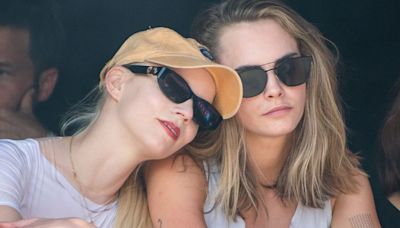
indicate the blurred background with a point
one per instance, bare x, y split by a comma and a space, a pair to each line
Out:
367, 34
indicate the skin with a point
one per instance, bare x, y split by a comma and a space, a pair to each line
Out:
18, 93
266, 135
136, 132
395, 199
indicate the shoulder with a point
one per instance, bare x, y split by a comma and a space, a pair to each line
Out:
18, 145
178, 170
355, 208
19, 151
176, 190
15, 158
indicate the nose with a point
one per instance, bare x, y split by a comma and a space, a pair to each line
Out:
273, 88
184, 110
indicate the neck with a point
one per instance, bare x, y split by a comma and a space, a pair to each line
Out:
102, 162
267, 156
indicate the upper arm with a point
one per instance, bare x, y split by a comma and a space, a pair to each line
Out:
356, 210
176, 191
8, 214
11, 179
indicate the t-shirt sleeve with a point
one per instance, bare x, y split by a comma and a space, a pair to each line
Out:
13, 164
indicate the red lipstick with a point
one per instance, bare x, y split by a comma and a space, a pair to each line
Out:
172, 130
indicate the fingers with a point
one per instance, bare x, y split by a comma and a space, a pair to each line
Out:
26, 105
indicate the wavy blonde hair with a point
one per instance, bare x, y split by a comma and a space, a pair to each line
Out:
132, 199
318, 165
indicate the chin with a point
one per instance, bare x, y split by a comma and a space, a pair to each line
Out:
159, 153
275, 132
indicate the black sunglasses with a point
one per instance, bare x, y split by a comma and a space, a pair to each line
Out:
292, 71
176, 89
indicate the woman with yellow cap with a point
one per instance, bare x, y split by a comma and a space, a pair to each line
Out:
153, 96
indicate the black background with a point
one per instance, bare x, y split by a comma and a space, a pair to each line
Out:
366, 33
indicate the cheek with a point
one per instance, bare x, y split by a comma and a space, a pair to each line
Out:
246, 111
11, 94
299, 95
191, 129
140, 104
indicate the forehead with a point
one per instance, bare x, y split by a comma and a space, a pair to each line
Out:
200, 81
14, 45
254, 43
196, 76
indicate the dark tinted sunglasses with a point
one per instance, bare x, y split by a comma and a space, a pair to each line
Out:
178, 91
291, 71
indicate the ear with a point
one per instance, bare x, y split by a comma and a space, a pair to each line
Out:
46, 84
114, 82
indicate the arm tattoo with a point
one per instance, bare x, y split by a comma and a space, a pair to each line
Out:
159, 221
361, 221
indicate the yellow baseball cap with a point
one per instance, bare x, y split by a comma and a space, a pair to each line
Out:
165, 47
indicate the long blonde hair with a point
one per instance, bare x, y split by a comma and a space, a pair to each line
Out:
318, 165
132, 200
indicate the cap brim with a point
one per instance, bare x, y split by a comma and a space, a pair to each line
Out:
229, 87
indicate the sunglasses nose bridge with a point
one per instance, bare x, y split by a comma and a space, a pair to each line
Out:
273, 87
271, 73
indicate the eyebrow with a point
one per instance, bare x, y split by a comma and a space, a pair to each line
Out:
289, 55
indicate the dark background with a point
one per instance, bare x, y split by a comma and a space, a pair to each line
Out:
366, 33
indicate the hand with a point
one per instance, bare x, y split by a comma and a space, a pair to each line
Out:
43, 223
22, 123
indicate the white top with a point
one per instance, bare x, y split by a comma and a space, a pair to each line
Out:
33, 186
304, 217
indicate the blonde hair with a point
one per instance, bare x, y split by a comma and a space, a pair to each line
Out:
132, 201
318, 165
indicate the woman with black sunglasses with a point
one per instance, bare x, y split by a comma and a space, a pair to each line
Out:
282, 160
153, 95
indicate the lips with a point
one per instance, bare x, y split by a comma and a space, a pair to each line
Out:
278, 110
172, 130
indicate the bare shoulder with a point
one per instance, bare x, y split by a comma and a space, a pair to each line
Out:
177, 169
176, 191
8, 214
355, 209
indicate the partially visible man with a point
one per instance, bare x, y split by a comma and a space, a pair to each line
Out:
30, 44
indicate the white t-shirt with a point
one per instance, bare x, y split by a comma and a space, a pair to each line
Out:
304, 217
33, 186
